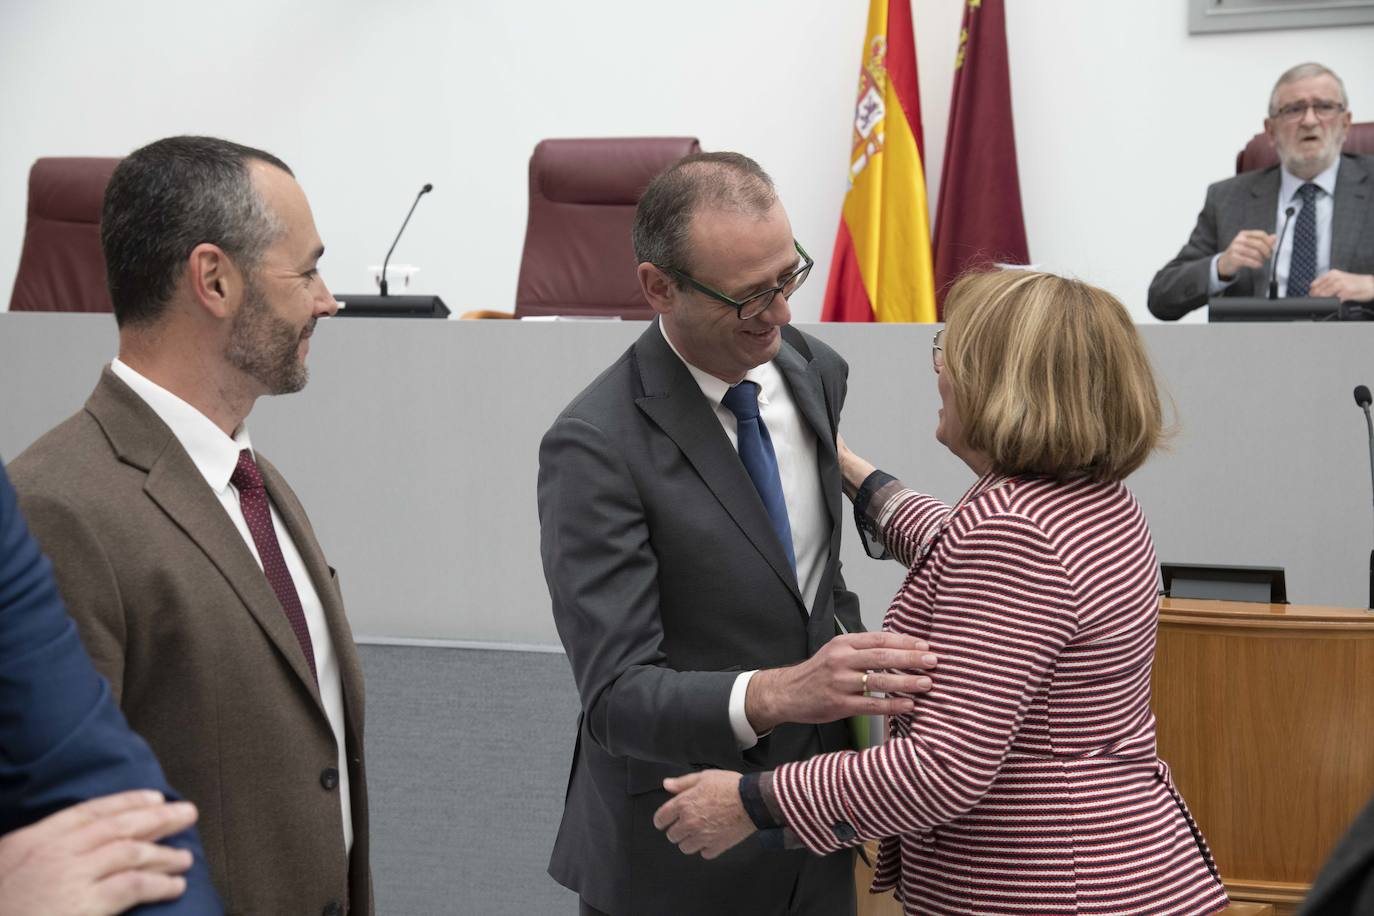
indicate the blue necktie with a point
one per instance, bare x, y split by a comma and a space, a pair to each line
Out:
1302, 263
756, 451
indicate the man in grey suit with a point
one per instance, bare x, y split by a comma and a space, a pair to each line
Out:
188, 563
1328, 250
689, 502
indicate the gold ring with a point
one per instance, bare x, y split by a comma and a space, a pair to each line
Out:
863, 686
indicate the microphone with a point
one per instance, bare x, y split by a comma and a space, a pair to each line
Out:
1363, 399
1273, 264
423, 191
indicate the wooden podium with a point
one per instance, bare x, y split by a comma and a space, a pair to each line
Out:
1266, 719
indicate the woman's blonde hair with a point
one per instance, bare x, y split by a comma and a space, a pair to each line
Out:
1049, 376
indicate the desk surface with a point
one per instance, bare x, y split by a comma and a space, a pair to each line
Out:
1245, 613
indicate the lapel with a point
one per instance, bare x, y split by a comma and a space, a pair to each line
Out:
673, 401
140, 438
1261, 209
323, 578
1351, 208
810, 396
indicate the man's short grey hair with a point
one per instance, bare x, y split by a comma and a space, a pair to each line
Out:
724, 181
1302, 72
165, 199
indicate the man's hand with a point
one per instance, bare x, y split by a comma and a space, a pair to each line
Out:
705, 814
1250, 248
830, 685
1344, 286
96, 858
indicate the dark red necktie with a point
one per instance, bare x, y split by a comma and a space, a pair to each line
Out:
256, 511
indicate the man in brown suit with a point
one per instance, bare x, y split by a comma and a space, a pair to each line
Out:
188, 563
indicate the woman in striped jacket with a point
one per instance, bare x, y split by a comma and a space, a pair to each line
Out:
1027, 781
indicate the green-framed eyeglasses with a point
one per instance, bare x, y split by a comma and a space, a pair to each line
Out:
759, 302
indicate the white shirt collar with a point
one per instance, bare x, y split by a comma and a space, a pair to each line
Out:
1290, 183
214, 454
765, 376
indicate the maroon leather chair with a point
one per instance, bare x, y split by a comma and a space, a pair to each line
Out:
1259, 153
61, 267
578, 258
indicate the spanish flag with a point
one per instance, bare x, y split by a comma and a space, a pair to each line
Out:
881, 270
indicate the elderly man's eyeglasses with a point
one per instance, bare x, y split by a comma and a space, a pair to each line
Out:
1294, 111
937, 350
759, 302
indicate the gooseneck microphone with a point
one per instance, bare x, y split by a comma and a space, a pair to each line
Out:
1273, 262
423, 191
1363, 399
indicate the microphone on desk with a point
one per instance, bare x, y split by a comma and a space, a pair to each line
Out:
387, 305
423, 191
1273, 259
1363, 399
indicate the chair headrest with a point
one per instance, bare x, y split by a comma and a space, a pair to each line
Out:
603, 171
69, 188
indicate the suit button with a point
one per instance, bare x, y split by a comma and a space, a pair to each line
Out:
333, 908
329, 778
843, 831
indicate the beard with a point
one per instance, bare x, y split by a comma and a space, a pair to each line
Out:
265, 347
1308, 167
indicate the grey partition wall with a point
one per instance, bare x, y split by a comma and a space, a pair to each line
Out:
414, 449
467, 754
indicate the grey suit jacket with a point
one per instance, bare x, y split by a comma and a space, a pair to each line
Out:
667, 579
178, 615
1250, 201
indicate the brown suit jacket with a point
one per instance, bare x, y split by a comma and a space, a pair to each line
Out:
180, 618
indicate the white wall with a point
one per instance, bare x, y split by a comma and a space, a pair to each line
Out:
1122, 117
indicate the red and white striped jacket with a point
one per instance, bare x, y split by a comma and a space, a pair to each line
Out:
1026, 781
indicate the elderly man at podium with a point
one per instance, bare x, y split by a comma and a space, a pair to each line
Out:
1241, 242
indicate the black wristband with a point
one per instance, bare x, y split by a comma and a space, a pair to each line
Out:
751, 796
868, 529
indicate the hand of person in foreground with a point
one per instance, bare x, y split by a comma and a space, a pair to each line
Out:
705, 814
835, 683
96, 858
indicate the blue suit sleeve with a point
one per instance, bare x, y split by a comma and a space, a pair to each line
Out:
63, 738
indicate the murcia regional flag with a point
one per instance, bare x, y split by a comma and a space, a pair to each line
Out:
881, 270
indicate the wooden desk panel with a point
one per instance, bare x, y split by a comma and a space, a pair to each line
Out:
1264, 713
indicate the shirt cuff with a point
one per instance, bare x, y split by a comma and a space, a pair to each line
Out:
1214, 282
745, 736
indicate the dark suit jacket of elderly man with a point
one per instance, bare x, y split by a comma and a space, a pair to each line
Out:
667, 580
1251, 201
178, 615
62, 737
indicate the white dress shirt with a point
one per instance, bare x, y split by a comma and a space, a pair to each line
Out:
215, 455
1325, 202
794, 444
